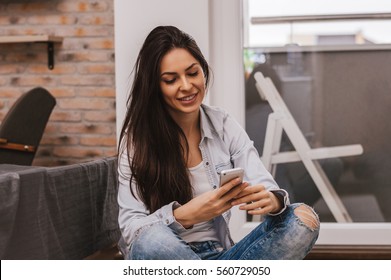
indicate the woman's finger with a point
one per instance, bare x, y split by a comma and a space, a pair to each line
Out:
231, 189
256, 204
251, 193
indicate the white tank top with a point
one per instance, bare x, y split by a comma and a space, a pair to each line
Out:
203, 231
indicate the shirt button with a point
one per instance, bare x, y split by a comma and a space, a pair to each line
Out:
207, 163
214, 186
167, 221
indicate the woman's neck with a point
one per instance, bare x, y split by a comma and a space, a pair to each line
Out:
189, 123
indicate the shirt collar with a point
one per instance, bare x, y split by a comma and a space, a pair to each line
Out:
211, 122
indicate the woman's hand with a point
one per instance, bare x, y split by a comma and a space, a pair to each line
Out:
209, 204
257, 200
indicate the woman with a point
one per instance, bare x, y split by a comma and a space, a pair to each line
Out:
172, 149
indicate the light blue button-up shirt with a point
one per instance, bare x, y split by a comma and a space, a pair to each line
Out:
224, 144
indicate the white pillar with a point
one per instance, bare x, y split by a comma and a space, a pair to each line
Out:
226, 56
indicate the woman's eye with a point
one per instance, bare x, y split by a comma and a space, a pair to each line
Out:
193, 74
169, 81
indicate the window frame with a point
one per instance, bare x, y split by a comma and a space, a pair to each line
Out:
330, 233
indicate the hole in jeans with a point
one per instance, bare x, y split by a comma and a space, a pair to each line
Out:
308, 216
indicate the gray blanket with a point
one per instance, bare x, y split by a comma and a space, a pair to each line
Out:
66, 212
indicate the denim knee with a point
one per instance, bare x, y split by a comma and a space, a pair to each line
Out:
300, 225
306, 224
159, 242
307, 216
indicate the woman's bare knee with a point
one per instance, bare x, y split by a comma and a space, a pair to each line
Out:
308, 216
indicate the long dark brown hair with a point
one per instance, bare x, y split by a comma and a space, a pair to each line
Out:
153, 139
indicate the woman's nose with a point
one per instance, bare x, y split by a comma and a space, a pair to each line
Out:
185, 84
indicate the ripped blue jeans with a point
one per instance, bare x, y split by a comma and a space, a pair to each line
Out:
281, 237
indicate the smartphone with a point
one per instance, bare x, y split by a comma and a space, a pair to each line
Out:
229, 174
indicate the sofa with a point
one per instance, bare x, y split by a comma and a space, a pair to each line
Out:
65, 212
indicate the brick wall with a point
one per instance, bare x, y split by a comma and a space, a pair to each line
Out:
82, 125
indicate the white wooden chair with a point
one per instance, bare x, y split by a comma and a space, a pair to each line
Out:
281, 119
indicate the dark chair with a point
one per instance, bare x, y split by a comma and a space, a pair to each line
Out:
22, 128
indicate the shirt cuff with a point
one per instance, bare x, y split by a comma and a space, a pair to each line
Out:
168, 217
282, 196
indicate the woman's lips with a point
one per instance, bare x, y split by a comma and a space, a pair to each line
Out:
188, 99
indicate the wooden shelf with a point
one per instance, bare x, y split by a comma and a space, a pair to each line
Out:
30, 39
48, 39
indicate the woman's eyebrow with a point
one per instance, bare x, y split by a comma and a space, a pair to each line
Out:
173, 73
191, 66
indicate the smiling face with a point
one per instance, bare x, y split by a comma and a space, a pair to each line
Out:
182, 83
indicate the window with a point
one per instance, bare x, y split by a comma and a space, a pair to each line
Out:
331, 62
